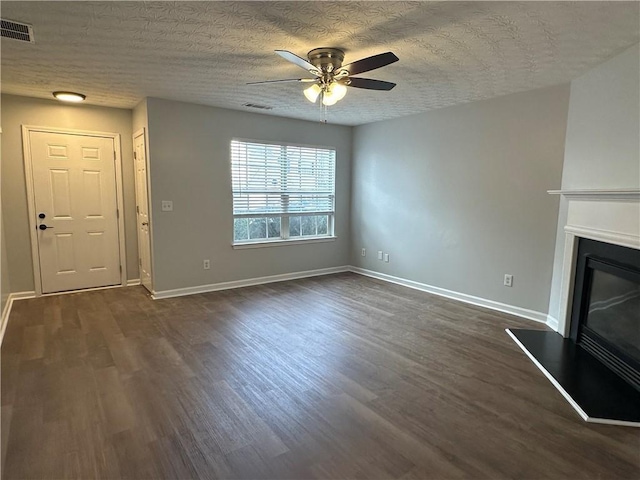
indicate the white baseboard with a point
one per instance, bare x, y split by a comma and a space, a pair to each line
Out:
552, 322
22, 295
133, 282
7, 309
214, 287
462, 297
179, 292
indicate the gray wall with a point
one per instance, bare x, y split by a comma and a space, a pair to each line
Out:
5, 287
603, 139
189, 155
139, 116
602, 148
18, 111
457, 196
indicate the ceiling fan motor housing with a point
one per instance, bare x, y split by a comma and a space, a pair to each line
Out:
326, 59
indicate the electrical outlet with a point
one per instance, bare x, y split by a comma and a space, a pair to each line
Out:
379, 254
508, 280
167, 206
386, 257
206, 264
364, 252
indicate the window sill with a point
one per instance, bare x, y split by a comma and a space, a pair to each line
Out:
282, 243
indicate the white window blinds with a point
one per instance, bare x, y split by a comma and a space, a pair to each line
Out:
270, 180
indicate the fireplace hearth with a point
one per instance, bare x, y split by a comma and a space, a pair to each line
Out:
594, 391
594, 358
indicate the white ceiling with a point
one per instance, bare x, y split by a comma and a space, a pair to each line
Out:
204, 52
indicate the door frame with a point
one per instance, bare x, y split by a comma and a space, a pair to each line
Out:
136, 134
31, 203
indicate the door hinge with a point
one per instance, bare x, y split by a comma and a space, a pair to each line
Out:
114, 155
135, 157
120, 268
117, 213
140, 261
137, 209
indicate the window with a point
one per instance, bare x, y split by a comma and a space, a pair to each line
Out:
281, 192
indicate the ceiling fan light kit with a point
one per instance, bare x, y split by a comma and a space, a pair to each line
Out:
313, 92
331, 77
333, 93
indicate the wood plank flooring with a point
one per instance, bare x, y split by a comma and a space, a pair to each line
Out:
331, 377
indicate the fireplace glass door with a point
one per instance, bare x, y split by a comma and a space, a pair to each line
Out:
614, 310
605, 318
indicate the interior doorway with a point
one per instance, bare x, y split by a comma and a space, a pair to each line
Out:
142, 209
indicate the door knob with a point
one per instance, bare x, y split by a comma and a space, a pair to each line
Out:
145, 223
41, 215
43, 227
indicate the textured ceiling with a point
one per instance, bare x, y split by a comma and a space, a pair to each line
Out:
204, 52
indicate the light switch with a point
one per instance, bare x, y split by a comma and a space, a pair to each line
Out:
167, 206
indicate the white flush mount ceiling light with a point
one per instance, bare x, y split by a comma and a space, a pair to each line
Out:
70, 97
331, 77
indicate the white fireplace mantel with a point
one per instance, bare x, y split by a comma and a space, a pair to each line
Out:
611, 216
598, 194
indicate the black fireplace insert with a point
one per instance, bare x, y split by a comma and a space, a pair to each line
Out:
605, 318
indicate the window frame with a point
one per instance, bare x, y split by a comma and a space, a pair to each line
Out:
285, 238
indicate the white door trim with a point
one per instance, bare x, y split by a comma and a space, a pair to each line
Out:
136, 134
26, 146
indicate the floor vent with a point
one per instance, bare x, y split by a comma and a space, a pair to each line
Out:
255, 105
17, 31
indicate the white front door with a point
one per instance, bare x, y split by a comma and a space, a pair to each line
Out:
74, 189
142, 208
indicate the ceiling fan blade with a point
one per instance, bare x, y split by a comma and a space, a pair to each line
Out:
370, 84
299, 61
370, 63
285, 80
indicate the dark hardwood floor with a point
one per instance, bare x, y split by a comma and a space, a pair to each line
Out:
332, 377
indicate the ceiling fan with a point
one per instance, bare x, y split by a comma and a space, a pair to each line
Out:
331, 77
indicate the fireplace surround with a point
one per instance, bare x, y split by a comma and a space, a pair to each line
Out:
608, 216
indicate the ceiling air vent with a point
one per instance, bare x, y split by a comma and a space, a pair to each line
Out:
17, 31
255, 105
